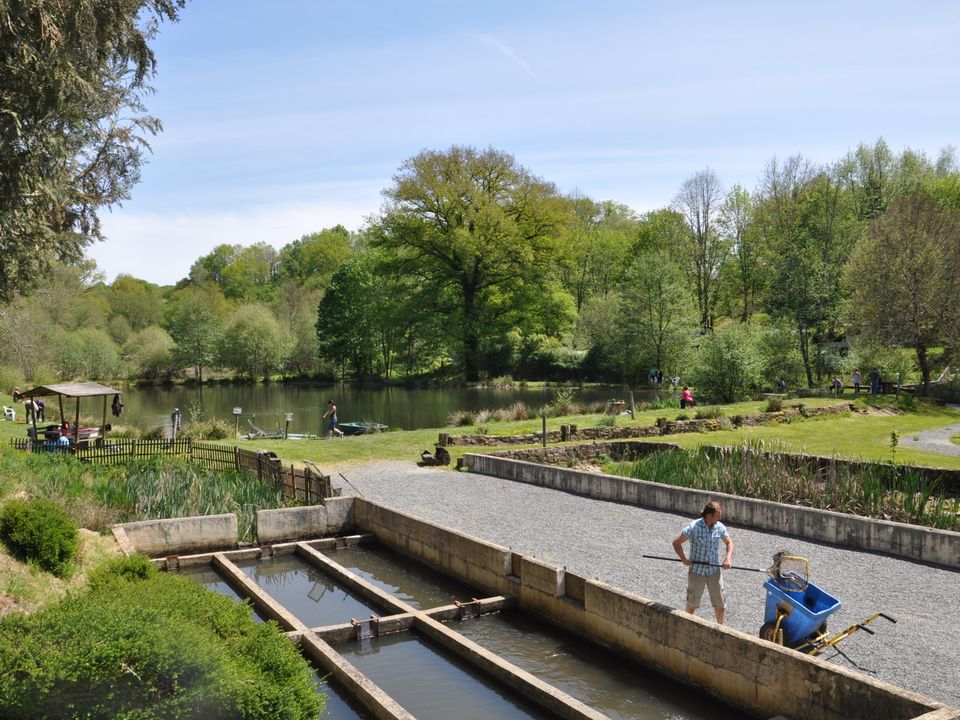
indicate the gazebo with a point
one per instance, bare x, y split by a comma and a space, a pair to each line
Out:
73, 390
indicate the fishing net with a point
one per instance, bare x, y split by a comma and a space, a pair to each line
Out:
790, 572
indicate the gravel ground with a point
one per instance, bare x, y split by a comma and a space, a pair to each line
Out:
604, 540
935, 441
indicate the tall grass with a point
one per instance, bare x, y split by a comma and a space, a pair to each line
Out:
887, 492
98, 496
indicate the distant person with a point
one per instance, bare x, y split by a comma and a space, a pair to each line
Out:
874, 382
686, 398
705, 535
41, 410
659, 376
331, 414
837, 386
856, 381
16, 394
781, 385
29, 409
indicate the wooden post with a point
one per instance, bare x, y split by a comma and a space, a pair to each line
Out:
76, 425
564, 433
633, 407
443, 440
544, 417
236, 457
103, 421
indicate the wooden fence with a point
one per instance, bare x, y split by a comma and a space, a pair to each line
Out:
307, 484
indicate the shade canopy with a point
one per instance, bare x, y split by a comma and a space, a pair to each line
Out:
73, 390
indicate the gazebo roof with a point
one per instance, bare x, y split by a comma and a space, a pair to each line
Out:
72, 390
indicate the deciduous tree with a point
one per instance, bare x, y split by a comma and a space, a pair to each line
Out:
73, 126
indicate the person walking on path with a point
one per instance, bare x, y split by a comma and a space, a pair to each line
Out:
705, 535
856, 382
686, 398
331, 413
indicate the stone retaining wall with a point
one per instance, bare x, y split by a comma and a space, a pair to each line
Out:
940, 547
663, 427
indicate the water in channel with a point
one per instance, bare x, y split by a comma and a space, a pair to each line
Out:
412, 582
432, 684
311, 595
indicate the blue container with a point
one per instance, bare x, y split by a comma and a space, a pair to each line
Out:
805, 611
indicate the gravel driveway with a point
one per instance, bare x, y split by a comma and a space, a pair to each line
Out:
604, 540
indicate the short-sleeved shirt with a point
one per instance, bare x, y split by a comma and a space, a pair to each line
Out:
704, 545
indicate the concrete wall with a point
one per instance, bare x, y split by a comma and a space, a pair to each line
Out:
760, 677
940, 547
180, 535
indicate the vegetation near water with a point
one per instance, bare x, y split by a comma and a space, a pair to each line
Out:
889, 492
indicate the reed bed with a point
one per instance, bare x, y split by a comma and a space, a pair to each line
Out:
888, 492
98, 496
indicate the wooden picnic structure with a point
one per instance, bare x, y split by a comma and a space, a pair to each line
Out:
74, 391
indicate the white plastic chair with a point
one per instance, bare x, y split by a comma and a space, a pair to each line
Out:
9, 413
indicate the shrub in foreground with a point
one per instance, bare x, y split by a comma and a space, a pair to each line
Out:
39, 531
156, 647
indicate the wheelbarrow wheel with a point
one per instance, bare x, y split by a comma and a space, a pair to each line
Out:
768, 631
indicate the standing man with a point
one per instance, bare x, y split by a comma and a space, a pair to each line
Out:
856, 382
705, 535
331, 413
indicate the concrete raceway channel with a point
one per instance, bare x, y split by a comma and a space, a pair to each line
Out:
606, 541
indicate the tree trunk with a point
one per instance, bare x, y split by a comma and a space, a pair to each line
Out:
471, 341
805, 352
924, 364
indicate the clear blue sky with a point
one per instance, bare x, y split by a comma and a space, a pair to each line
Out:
286, 117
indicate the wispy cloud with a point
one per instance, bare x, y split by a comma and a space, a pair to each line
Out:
507, 53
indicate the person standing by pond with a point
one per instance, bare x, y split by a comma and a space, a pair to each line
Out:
857, 379
686, 398
705, 535
331, 414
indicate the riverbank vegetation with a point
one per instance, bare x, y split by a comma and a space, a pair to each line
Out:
803, 279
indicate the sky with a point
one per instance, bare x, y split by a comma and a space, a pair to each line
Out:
283, 118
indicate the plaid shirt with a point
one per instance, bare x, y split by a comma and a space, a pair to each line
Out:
704, 545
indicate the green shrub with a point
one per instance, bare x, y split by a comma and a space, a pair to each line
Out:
683, 416
774, 404
130, 432
157, 432
212, 429
517, 411
39, 531
737, 420
461, 418
607, 421
161, 647
121, 570
709, 412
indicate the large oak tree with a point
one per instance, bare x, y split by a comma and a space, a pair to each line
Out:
477, 231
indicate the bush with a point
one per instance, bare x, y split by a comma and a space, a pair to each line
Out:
710, 412
129, 432
212, 429
121, 570
728, 364
517, 411
160, 647
607, 421
461, 418
683, 416
39, 531
774, 404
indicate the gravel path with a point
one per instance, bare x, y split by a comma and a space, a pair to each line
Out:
604, 540
936, 441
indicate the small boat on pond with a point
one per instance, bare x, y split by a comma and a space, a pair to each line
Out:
362, 428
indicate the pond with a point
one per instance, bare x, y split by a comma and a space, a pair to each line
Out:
398, 407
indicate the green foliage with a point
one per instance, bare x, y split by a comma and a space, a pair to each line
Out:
159, 646
118, 571
774, 404
709, 412
728, 364
73, 128
195, 322
211, 429
38, 531
461, 418
149, 353
253, 343
311, 261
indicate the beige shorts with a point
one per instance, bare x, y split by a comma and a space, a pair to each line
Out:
714, 585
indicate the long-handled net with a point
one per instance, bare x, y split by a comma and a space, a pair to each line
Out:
790, 572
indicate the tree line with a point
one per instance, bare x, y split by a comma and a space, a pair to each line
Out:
477, 268
474, 267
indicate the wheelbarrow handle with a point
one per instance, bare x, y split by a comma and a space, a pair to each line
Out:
865, 629
887, 617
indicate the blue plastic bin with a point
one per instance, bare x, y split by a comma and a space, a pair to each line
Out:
806, 611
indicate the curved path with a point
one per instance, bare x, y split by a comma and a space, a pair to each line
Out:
937, 441
604, 540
